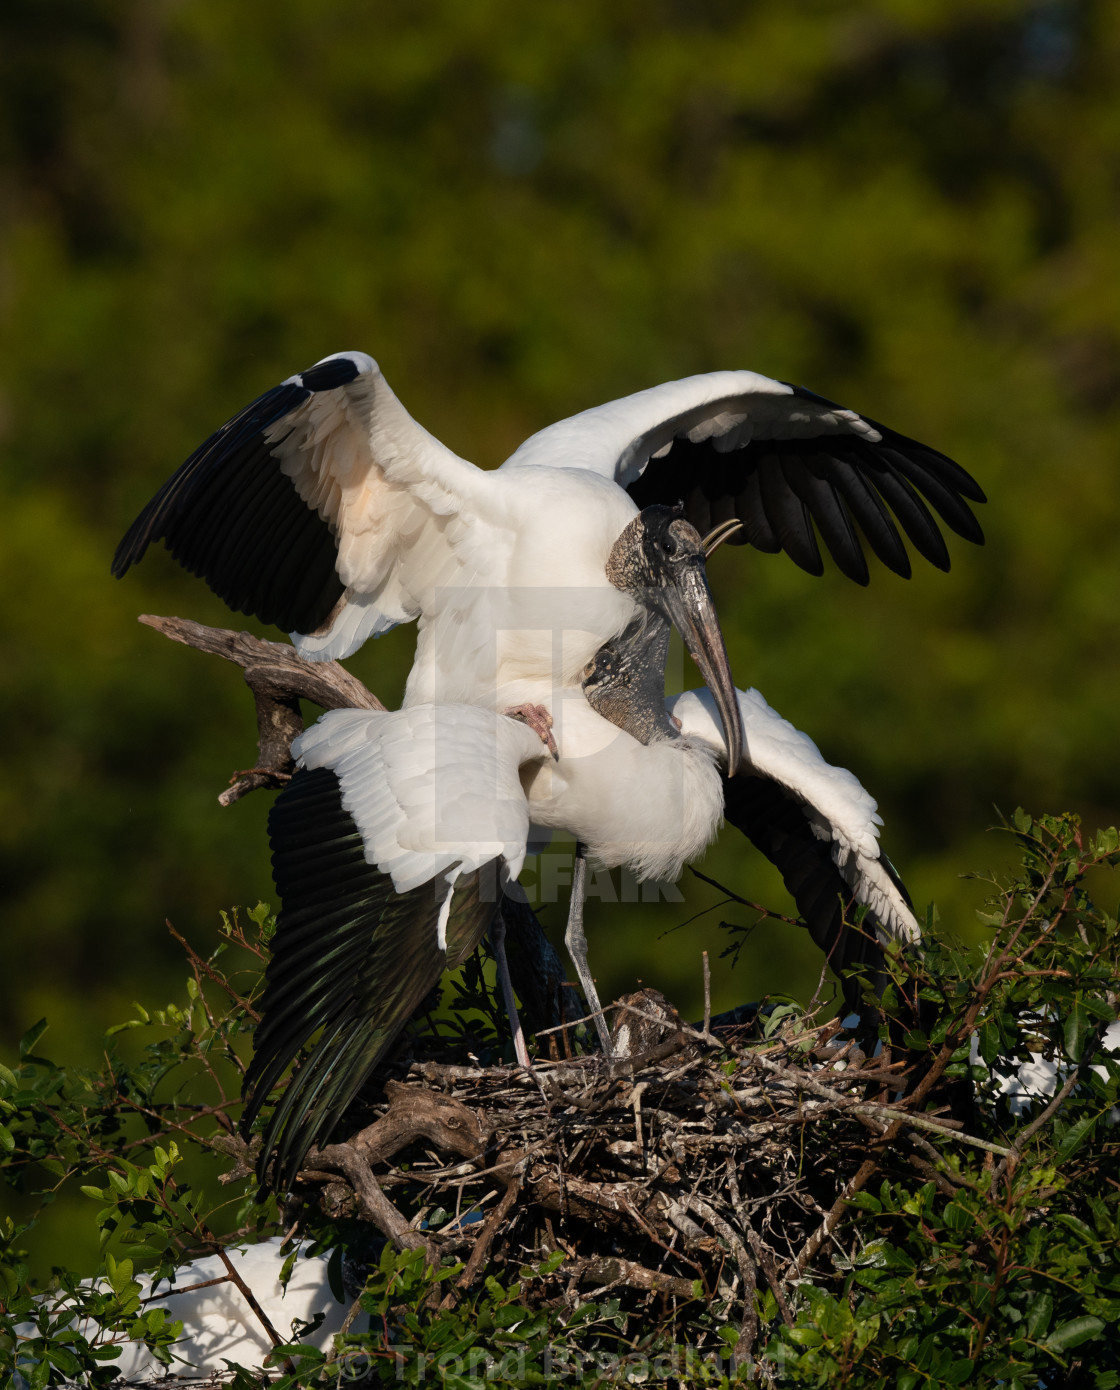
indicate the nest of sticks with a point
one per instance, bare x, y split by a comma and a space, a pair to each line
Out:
699, 1164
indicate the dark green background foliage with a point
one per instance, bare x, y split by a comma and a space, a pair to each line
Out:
522, 211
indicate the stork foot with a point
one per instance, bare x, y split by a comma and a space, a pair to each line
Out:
539, 720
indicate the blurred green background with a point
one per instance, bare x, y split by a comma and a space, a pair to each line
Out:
910, 206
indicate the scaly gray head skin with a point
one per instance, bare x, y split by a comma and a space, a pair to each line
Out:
660, 560
625, 680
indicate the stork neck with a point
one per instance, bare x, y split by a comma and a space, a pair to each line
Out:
625, 680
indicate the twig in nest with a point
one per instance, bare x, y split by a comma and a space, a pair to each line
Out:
854, 1184
489, 1229
251, 1299
372, 1202
707, 997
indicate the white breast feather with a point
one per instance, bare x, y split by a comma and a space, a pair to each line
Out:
651, 808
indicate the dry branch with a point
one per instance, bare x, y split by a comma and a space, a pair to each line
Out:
279, 678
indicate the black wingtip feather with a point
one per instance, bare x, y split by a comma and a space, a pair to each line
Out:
230, 516
852, 466
774, 821
351, 957
329, 375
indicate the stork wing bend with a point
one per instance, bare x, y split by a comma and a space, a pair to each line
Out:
786, 462
389, 849
818, 826
311, 508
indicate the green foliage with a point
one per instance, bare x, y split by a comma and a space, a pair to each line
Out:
941, 1270
1008, 1273
494, 1336
136, 1136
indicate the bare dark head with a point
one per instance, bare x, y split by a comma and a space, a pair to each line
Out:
660, 560
625, 680
652, 548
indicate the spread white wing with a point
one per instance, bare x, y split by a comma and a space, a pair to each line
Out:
434, 790
786, 462
322, 507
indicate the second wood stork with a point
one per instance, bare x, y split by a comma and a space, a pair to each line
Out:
813, 821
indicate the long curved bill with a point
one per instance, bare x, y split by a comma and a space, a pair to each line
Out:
690, 605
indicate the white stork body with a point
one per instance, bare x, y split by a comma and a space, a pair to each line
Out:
535, 614
651, 808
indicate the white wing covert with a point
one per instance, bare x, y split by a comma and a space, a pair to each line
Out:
787, 462
840, 812
433, 790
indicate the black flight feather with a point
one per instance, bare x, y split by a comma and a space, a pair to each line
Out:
775, 822
231, 517
839, 482
351, 956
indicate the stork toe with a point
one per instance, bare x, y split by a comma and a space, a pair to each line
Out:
539, 720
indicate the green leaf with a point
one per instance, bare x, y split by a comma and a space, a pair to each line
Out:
108, 1353
1084, 1232
1073, 1333
1078, 1024
31, 1037
1107, 842
1038, 1319
123, 1027
1075, 1136
958, 1217
334, 1273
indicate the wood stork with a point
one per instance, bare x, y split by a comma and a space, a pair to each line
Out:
393, 841
325, 508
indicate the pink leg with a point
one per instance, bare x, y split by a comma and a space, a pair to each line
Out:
539, 720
